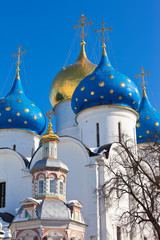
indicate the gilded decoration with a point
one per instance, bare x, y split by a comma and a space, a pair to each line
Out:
122, 84
68, 78
49, 134
82, 89
101, 84
8, 108
111, 76
26, 110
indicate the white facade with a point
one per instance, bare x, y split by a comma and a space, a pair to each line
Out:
18, 181
112, 122
83, 178
22, 141
65, 120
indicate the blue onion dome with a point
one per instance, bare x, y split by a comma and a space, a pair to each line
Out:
148, 125
65, 82
17, 111
105, 86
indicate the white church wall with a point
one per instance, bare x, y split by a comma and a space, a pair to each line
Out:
18, 180
116, 207
108, 119
37, 156
81, 180
25, 142
65, 120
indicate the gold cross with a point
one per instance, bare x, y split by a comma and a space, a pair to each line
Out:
82, 24
142, 75
49, 115
103, 29
18, 54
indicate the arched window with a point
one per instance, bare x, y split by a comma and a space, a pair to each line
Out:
119, 132
61, 185
52, 180
41, 184
97, 130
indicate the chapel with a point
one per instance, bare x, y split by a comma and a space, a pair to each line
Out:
40, 171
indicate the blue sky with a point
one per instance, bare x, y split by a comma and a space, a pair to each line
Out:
44, 29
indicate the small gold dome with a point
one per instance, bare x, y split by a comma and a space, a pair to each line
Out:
68, 78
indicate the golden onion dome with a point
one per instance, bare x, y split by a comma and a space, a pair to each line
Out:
68, 78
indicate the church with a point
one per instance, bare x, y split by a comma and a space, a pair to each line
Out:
49, 182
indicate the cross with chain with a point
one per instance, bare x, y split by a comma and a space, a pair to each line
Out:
82, 24
18, 54
142, 75
103, 29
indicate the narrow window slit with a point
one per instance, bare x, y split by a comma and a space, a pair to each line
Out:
97, 130
119, 132
2, 194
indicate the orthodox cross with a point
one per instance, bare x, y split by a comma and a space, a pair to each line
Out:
82, 24
103, 29
18, 54
49, 115
142, 75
